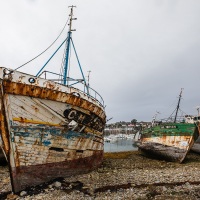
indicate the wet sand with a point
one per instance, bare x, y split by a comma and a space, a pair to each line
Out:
124, 175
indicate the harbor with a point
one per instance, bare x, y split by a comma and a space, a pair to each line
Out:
120, 143
114, 117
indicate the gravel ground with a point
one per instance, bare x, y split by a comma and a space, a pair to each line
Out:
127, 175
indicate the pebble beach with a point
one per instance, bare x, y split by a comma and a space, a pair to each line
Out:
123, 175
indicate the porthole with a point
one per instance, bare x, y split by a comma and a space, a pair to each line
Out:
31, 80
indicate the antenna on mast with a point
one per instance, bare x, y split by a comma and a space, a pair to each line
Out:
71, 18
68, 45
89, 77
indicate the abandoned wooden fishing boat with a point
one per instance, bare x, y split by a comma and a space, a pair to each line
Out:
169, 140
49, 129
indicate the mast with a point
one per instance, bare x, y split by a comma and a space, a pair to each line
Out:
68, 40
177, 108
68, 46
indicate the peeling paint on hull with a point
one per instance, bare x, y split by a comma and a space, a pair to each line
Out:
169, 141
26, 176
47, 131
169, 153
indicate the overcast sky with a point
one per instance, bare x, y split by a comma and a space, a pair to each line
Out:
140, 52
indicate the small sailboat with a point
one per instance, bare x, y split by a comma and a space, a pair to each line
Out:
170, 140
50, 128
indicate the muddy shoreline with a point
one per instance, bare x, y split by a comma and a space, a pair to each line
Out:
124, 175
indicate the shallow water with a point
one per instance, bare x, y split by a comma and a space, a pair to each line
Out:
120, 145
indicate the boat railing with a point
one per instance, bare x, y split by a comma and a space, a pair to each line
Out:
179, 119
80, 85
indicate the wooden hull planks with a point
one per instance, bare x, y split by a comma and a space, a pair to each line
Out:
47, 131
170, 141
31, 175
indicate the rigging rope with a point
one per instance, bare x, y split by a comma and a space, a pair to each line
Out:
70, 53
62, 66
46, 48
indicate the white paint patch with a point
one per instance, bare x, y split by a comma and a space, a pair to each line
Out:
184, 143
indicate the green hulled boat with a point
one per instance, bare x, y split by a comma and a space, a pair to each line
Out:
169, 140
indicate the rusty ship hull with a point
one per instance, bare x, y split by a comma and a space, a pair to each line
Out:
170, 141
48, 130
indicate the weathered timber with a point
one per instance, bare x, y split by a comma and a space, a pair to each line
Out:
47, 131
171, 141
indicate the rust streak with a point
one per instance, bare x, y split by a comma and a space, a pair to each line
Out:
3, 130
45, 93
33, 121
